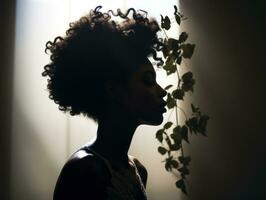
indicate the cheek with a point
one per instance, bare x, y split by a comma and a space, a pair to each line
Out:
143, 100
146, 108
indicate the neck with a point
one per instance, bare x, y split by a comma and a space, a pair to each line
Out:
114, 136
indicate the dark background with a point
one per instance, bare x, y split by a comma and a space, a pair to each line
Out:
229, 67
7, 25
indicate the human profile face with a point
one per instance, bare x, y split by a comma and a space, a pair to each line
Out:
144, 99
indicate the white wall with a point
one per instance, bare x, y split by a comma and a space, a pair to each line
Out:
42, 136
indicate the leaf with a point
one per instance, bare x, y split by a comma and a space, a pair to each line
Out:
176, 53
192, 124
174, 147
165, 51
168, 87
181, 184
176, 136
169, 61
178, 19
168, 141
178, 94
198, 124
179, 60
184, 133
184, 160
194, 109
183, 37
187, 76
180, 133
173, 44
165, 22
203, 124
168, 166
170, 66
159, 135
168, 125
170, 101
188, 50
176, 130
188, 86
177, 16
162, 150
184, 170
171, 163
174, 163
187, 81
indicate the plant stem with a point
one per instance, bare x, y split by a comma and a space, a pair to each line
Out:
168, 141
181, 146
178, 76
176, 113
176, 100
165, 33
182, 111
170, 115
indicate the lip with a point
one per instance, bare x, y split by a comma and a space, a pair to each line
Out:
163, 109
163, 104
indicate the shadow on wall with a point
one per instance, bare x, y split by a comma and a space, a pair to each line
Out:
7, 19
229, 66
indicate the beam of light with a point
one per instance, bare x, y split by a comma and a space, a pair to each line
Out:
39, 140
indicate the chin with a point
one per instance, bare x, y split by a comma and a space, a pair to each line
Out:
152, 121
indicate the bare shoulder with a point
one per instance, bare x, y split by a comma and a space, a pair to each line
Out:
86, 164
83, 175
142, 170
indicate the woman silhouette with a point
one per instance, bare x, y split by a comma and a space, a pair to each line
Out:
101, 69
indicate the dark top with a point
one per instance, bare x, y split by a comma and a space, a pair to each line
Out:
88, 175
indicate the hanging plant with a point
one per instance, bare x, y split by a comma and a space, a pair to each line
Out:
173, 134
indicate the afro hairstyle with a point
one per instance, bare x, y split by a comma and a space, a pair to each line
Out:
94, 50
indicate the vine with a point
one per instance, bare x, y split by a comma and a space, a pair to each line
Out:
171, 136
